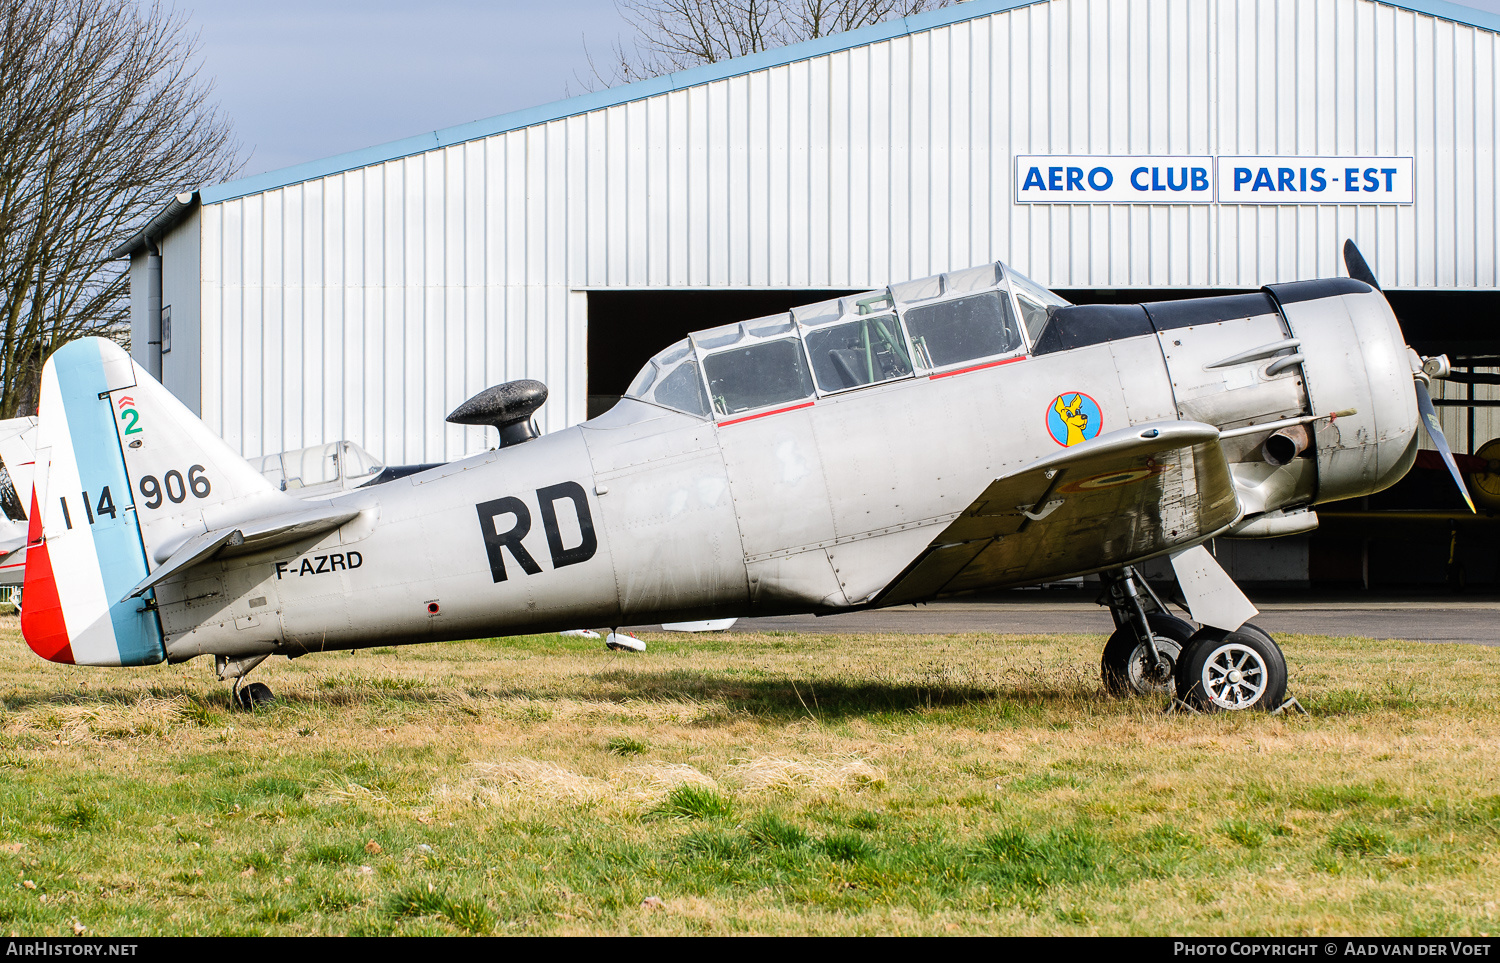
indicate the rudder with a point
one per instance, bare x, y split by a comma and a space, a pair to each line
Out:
84, 548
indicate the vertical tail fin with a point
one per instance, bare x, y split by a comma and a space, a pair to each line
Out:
124, 475
83, 546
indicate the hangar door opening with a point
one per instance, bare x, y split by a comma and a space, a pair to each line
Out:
625, 328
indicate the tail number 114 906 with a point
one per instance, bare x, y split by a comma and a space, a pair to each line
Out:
172, 487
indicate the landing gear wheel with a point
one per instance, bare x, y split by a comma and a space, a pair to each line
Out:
1231, 671
1126, 664
253, 696
1256, 630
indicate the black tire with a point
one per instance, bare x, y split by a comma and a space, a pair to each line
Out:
1232, 671
255, 695
1254, 629
1124, 663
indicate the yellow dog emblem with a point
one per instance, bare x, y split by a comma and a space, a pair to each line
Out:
1074, 418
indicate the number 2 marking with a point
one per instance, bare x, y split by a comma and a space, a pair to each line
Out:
132, 428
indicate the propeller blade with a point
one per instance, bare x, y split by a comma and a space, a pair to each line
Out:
1430, 422
1359, 270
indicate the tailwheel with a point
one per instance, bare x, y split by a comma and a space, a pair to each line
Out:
1229, 671
1128, 668
253, 696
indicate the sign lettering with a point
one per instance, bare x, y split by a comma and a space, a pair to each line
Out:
1200, 179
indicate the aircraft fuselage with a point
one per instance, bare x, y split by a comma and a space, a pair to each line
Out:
646, 514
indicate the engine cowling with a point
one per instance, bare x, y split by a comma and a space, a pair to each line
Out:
1356, 359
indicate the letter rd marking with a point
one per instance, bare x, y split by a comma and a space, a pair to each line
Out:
505, 522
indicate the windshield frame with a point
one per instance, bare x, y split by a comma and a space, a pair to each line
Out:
661, 372
1017, 283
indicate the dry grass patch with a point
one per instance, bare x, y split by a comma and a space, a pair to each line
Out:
528, 782
73, 722
791, 776
768, 783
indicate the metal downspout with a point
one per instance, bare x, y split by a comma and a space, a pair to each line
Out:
153, 309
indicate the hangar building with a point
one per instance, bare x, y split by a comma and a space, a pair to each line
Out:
1114, 150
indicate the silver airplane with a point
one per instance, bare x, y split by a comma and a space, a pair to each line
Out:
964, 432
17, 435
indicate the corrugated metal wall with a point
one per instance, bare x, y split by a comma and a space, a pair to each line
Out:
180, 280
1456, 421
368, 304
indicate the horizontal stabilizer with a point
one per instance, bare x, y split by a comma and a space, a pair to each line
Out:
251, 536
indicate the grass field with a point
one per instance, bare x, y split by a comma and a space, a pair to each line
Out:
761, 783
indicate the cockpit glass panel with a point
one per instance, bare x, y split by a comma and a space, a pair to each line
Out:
820, 313
1033, 315
862, 304
770, 327
306, 467
665, 358
855, 353
642, 382
972, 279
950, 332
1035, 302
758, 375
719, 337
1040, 294
682, 389
358, 463
922, 289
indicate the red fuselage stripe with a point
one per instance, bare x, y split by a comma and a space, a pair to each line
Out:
977, 367
765, 414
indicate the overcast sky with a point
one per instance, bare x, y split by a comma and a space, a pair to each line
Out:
306, 79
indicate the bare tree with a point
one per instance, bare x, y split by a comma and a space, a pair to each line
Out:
102, 118
677, 34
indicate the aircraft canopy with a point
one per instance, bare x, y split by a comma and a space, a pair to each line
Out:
907, 330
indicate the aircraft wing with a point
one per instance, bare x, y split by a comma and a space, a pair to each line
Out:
1118, 498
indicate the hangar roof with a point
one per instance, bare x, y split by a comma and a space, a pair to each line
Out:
691, 78
180, 207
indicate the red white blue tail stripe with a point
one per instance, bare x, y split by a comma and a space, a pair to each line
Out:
84, 547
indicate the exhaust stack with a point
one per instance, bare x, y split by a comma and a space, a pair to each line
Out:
1284, 445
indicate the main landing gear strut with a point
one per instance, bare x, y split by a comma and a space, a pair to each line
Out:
1206, 668
251, 696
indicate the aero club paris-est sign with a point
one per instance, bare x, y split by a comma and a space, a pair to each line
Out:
1163, 179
